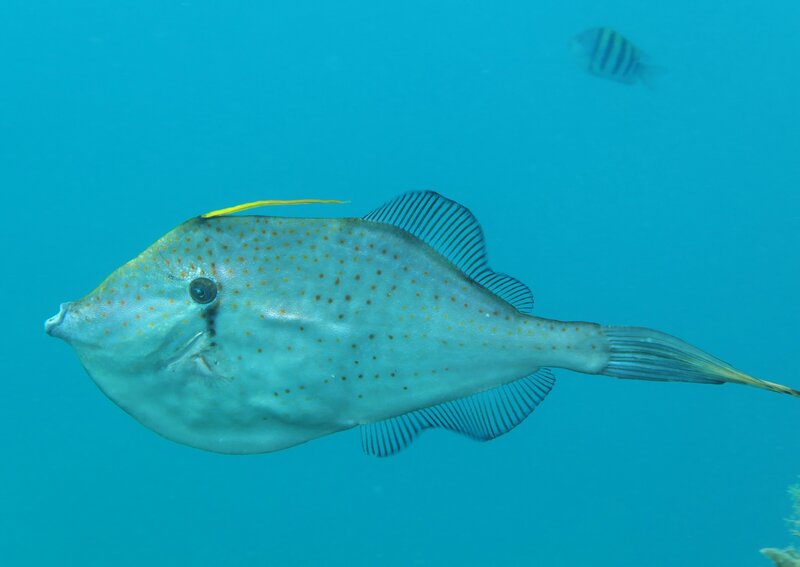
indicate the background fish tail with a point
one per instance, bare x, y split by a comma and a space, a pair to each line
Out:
645, 354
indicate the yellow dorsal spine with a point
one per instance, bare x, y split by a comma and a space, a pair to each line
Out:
270, 203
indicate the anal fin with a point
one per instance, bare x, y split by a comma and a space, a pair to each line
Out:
483, 416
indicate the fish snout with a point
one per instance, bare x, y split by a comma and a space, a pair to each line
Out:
54, 326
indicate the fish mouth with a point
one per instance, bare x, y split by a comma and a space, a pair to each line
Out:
54, 325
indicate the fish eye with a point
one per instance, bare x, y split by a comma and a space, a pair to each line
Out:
203, 290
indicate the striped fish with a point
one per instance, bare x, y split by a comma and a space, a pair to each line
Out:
605, 53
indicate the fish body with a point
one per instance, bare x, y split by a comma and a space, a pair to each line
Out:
606, 53
247, 334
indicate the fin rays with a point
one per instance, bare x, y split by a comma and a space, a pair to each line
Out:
645, 354
453, 231
482, 417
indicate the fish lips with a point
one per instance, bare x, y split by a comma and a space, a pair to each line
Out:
56, 326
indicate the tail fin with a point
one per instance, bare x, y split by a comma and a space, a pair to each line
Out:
650, 75
644, 354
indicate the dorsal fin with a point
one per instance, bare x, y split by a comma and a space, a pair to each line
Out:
482, 416
452, 230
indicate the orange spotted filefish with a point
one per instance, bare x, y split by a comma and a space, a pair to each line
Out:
605, 53
248, 334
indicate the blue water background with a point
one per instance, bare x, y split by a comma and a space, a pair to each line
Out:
675, 208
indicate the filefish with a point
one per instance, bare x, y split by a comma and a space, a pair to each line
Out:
605, 53
249, 334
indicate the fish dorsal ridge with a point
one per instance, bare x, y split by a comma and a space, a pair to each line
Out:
269, 203
452, 230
